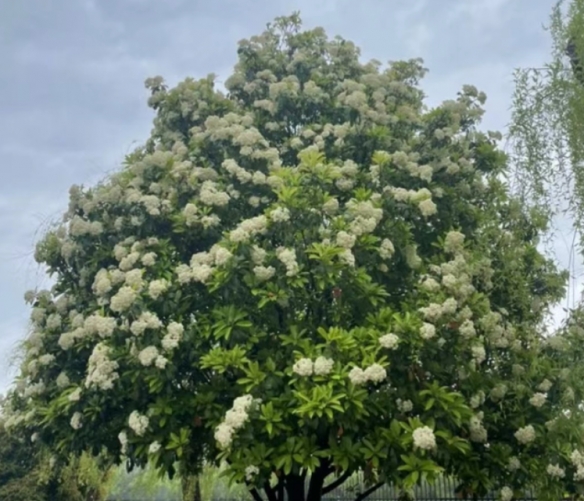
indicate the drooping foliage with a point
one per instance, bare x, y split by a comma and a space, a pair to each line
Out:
547, 126
308, 276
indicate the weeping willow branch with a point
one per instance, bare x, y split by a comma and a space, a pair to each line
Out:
546, 134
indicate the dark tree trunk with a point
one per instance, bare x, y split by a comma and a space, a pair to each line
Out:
191, 488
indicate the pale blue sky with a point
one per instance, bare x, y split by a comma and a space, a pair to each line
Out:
72, 100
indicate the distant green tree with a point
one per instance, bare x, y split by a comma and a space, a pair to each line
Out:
546, 133
20, 470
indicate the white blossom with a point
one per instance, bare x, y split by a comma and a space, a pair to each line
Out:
375, 373
404, 405
174, 333
288, 258
389, 341
538, 399
357, 376
280, 215
323, 366
506, 494
427, 207
123, 438
75, 422
525, 435
62, 380
514, 464
123, 299
138, 423
345, 240
454, 241
157, 287
101, 371
303, 367
251, 472
154, 447
427, 331
264, 273
75, 395
148, 355
555, 471
424, 438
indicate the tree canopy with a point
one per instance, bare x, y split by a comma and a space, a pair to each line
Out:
306, 276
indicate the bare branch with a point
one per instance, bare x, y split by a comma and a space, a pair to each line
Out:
369, 491
335, 483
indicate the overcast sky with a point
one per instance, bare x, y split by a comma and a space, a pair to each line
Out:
72, 100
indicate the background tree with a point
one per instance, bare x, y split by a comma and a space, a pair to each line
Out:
307, 277
20, 470
547, 127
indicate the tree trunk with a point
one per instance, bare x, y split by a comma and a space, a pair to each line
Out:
191, 488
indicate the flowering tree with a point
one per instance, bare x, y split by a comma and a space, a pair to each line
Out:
303, 278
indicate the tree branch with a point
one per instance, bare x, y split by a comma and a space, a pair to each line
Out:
335, 483
369, 491
255, 494
270, 492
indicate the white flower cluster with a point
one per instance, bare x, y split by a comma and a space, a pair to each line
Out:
123, 299
577, 460
514, 464
479, 353
365, 216
138, 423
467, 329
346, 240
249, 228
424, 438
545, 385
454, 241
555, 471
157, 287
264, 273
123, 438
280, 215
146, 320
478, 433
525, 435
154, 447
101, 371
389, 341
235, 418
62, 380
427, 331
386, 249
404, 406
320, 367
435, 311
210, 194
76, 421
251, 472
173, 336
75, 395
288, 258
374, 373
148, 355
506, 494
498, 392
102, 326
538, 399
303, 367
422, 197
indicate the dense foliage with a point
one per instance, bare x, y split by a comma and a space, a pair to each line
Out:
308, 276
29, 473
